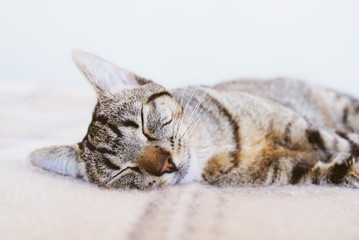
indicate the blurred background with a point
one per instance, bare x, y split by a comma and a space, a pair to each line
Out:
183, 42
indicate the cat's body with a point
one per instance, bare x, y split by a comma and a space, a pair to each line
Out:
282, 131
236, 133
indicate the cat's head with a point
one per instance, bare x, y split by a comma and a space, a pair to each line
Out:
134, 139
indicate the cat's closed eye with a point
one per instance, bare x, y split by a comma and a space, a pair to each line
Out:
130, 123
110, 164
130, 169
135, 169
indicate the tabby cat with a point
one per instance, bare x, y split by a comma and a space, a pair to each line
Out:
239, 133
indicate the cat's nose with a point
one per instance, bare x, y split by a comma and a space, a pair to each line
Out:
157, 161
168, 165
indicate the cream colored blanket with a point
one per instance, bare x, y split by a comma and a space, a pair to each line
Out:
35, 204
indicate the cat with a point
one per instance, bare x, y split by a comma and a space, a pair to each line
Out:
239, 133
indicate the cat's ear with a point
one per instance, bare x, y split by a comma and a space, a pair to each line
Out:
104, 75
60, 159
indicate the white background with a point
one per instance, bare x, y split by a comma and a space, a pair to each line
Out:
184, 42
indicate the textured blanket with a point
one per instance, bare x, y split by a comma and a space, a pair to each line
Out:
35, 204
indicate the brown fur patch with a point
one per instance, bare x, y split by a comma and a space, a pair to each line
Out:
217, 166
298, 163
265, 160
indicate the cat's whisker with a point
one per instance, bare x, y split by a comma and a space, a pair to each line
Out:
185, 110
179, 112
196, 112
217, 105
198, 120
178, 118
175, 119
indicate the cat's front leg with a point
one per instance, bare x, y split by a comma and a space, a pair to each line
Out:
309, 155
339, 164
320, 156
339, 169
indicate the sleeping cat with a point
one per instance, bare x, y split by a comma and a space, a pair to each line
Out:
240, 133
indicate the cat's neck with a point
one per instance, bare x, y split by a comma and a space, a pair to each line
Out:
209, 129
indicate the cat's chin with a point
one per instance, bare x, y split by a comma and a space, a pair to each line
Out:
189, 171
182, 173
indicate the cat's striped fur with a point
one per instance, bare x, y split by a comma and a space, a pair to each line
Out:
236, 133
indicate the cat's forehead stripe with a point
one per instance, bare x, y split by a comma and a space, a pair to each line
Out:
129, 123
115, 130
103, 150
100, 118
